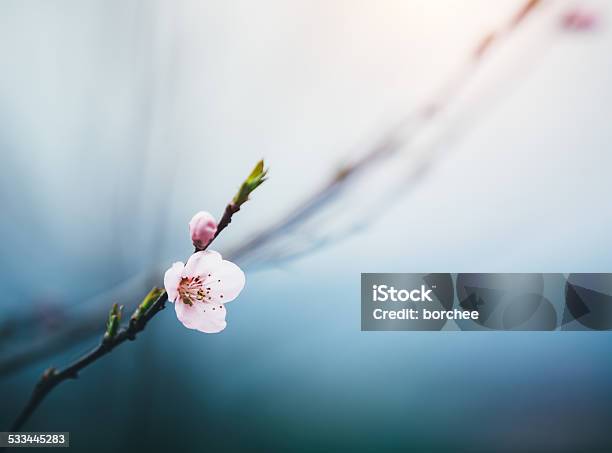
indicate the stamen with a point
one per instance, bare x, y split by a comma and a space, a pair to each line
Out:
191, 289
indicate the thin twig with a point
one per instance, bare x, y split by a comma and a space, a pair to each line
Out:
226, 219
387, 146
52, 377
114, 335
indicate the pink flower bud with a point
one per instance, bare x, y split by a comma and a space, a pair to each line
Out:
202, 228
579, 20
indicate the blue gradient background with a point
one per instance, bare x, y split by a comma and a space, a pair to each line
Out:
120, 119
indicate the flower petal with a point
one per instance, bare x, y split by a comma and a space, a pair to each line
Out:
202, 263
205, 317
225, 283
172, 278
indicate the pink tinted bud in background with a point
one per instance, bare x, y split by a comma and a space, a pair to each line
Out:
580, 20
202, 228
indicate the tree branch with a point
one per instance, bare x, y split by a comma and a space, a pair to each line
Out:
226, 219
52, 377
256, 178
152, 304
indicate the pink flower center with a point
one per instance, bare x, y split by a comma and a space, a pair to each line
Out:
199, 289
191, 289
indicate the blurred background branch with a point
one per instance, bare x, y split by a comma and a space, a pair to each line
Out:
397, 161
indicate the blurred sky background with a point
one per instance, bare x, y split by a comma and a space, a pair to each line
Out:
120, 119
